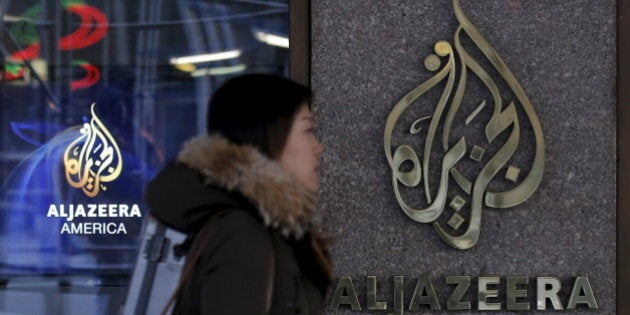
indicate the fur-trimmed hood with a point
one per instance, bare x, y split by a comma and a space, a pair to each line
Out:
218, 174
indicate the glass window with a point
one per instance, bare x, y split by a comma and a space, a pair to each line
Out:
95, 97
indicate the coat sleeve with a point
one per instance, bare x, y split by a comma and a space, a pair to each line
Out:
238, 267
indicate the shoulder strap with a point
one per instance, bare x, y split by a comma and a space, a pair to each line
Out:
273, 278
192, 248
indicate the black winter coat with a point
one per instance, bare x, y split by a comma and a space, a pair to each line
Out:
251, 223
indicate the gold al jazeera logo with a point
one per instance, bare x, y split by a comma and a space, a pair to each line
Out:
93, 159
443, 125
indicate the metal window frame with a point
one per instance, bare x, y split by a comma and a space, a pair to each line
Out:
623, 157
300, 41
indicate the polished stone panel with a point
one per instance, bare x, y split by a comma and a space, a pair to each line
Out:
367, 54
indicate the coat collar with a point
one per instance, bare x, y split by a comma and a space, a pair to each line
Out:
282, 203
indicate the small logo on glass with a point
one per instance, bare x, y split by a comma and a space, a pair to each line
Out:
93, 159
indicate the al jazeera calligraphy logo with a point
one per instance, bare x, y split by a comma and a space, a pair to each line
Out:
93, 159
465, 208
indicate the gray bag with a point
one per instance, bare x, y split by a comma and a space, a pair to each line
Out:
158, 269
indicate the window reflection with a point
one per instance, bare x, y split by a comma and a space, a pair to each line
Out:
149, 66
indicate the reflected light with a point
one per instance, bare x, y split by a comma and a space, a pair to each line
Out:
32, 131
10, 18
206, 57
186, 67
219, 70
273, 40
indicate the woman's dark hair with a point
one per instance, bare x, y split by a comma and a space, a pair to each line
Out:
259, 109
256, 109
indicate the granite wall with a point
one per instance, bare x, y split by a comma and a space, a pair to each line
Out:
367, 54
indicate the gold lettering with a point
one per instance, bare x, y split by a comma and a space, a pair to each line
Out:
345, 294
430, 298
455, 300
485, 293
543, 294
398, 296
93, 159
513, 293
504, 118
582, 285
372, 304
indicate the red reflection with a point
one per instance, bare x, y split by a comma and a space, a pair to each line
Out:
94, 25
92, 76
30, 52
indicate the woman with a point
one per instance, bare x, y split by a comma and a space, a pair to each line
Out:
246, 189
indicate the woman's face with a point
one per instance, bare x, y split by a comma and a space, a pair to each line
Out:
300, 156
